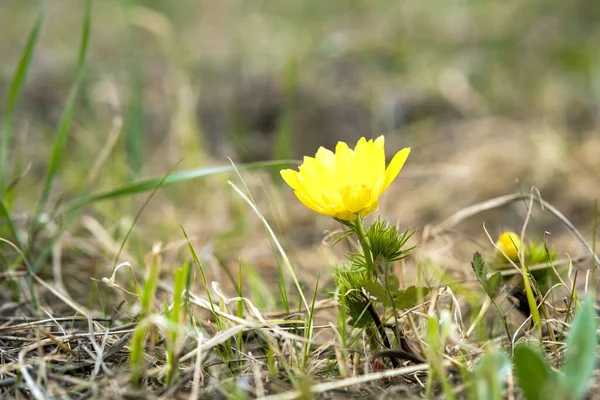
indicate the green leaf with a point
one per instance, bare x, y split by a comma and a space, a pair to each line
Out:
581, 349
393, 283
536, 379
491, 285
401, 299
359, 316
378, 291
489, 376
410, 296
479, 267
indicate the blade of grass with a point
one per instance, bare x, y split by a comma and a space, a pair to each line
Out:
435, 359
134, 118
282, 288
240, 307
32, 288
60, 140
177, 177
308, 329
158, 185
136, 354
8, 222
594, 230
259, 290
47, 250
284, 133
342, 318
221, 326
140, 187
14, 92
528, 279
286, 261
202, 273
176, 316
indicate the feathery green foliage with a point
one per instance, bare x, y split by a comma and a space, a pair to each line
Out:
385, 241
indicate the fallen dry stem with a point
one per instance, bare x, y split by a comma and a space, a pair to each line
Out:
500, 201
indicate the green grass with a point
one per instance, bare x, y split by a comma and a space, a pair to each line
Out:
60, 140
12, 98
242, 295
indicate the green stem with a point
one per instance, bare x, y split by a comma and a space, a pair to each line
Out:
381, 330
359, 228
361, 233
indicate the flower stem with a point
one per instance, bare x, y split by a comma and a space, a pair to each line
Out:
359, 229
381, 329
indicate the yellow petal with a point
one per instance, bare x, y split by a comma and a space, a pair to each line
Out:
291, 178
306, 193
366, 211
346, 215
357, 198
343, 160
394, 168
316, 175
326, 158
361, 169
309, 202
378, 157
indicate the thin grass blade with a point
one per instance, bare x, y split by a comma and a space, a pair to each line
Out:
6, 221
177, 177
60, 140
14, 92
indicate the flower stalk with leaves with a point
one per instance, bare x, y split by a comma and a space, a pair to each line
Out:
346, 185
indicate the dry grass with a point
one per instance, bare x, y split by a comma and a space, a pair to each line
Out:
489, 104
60, 348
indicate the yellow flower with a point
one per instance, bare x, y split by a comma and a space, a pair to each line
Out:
509, 243
346, 183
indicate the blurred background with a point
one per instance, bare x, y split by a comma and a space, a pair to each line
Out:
493, 97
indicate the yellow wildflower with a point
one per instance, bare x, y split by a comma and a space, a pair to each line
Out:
509, 243
346, 183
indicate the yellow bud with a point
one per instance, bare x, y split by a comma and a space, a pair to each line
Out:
508, 243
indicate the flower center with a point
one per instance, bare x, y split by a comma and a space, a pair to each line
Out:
356, 197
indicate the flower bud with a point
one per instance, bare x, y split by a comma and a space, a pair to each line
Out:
509, 244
